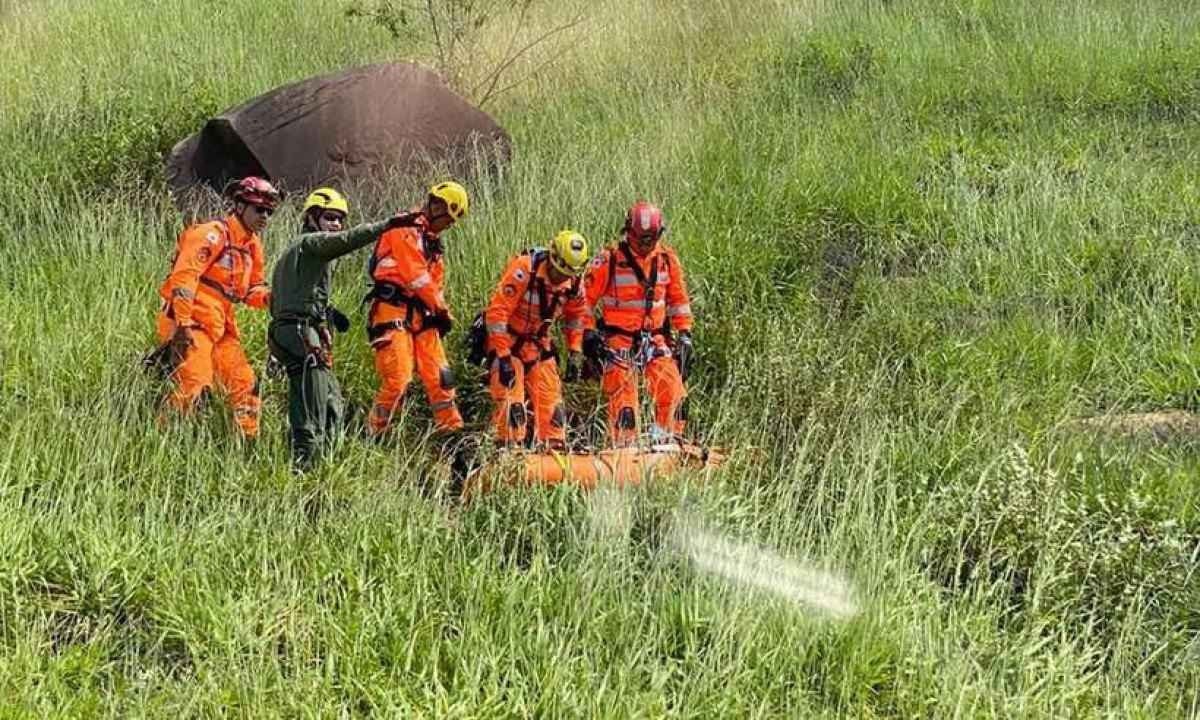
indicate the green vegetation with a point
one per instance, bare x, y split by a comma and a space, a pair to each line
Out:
922, 237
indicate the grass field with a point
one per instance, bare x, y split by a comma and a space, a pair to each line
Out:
922, 238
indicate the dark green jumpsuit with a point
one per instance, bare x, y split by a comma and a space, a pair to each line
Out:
298, 334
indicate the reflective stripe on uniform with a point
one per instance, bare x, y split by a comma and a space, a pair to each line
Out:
613, 302
419, 282
625, 279
573, 325
184, 293
532, 297
497, 328
443, 405
678, 310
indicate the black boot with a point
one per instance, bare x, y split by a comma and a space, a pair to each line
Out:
461, 452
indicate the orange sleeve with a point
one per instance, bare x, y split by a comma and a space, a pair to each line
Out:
258, 295
594, 285
679, 305
199, 247
502, 303
575, 319
400, 261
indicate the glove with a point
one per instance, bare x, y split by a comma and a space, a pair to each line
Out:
440, 321
594, 347
592, 369
403, 218
165, 359
337, 319
506, 371
685, 354
574, 367
179, 344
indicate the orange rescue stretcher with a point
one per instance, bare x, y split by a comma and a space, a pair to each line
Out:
617, 467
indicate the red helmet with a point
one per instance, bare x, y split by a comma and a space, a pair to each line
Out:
255, 191
644, 225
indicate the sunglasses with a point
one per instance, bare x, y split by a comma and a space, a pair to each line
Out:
331, 216
263, 210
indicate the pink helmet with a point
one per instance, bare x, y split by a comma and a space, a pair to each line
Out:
255, 191
644, 225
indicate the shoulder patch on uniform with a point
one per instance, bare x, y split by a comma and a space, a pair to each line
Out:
598, 261
204, 254
387, 262
510, 290
212, 237
520, 274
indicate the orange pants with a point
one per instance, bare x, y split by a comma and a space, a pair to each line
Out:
539, 384
220, 358
396, 353
620, 384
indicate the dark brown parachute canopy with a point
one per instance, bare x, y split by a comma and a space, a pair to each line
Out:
350, 125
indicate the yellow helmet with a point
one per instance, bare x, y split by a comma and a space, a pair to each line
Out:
454, 195
569, 253
327, 199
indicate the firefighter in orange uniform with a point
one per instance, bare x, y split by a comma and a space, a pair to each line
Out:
409, 314
537, 288
217, 265
645, 326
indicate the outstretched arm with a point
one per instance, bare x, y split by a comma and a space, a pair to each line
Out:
332, 245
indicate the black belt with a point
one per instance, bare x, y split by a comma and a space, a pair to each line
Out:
393, 294
378, 330
221, 289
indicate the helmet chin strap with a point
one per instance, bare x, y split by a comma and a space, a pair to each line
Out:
642, 248
556, 275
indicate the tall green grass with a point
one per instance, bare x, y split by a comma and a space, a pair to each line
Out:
921, 237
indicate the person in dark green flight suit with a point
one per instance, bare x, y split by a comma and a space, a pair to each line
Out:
299, 336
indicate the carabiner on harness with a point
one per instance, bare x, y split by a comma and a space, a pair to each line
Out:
643, 349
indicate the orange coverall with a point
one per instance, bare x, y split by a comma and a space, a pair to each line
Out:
620, 290
216, 265
522, 309
406, 260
